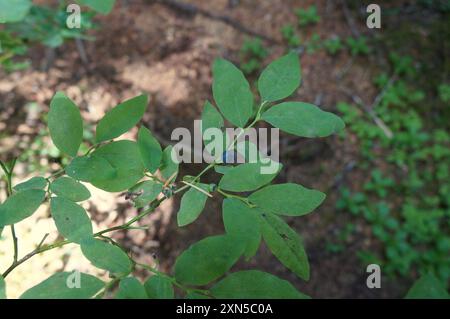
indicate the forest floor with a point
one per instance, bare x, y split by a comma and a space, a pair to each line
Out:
147, 47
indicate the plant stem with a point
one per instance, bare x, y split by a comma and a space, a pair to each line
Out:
172, 279
243, 199
9, 173
15, 243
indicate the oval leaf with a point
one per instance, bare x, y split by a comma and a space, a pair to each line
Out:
106, 256
13, 10
103, 6
89, 168
125, 158
159, 287
303, 119
71, 219
247, 177
207, 259
287, 199
211, 118
20, 206
65, 285
254, 284
192, 204
36, 182
65, 124
285, 244
69, 188
121, 118
146, 192
280, 79
131, 288
151, 152
168, 166
232, 92
242, 221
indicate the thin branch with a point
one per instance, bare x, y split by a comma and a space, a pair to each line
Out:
349, 18
378, 121
198, 188
193, 10
15, 244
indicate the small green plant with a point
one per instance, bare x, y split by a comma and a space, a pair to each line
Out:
427, 287
307, 16
333, 45
252, 55
313, 44
252, 208
9, 48
444, 92
358, 46
406, 203
290, 36
25, 24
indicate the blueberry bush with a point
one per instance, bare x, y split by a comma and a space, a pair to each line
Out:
253, 209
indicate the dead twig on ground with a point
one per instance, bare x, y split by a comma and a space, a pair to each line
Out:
348, 17
81, 51
379, 122
193, 10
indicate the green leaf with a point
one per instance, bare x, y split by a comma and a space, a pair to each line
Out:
2, 288
36, 182
148, 190
428, 287
106, 256
168, 166
150, 149
121, 118
192, 204
254, 284
20, 206
285, 244
232, 92
222, 169
159, 287
102, 6
280, 79
303, 119
65, 124
196, 295
211, 118
242, 222
14, 10
69, 188
71, 219
247, 177
125, 158
207, 259
89, 168
131, 288
287, 199
65, 285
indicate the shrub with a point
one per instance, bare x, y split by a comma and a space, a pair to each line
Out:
307, 16
124, 165
252, 54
